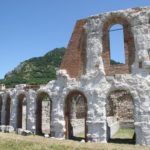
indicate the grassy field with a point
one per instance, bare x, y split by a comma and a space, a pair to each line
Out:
10, 141
124, 133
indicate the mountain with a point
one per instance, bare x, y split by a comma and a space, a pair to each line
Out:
113, 62
38, 70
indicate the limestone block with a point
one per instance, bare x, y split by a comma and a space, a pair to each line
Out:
10, 129
23, 132
3, 128
146, 64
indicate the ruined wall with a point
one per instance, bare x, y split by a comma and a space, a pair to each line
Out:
101, 77
135, 30
120, 104
45, 117
86, 70
75, 57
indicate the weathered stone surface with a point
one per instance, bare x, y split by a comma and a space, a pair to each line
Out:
3, 128
23, 132
9, 129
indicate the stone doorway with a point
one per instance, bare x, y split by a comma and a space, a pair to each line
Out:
76, 116
43, 114
120, 117
22, 111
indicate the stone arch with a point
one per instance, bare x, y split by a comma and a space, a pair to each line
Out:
120, 112
129, 45
68, 112
43, 107
148, 51
21, 120
1, 104
126, 87
7, 109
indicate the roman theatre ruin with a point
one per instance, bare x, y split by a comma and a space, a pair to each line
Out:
90, 93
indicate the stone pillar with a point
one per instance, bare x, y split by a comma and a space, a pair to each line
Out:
57, 118
24, 113
96, 117
31, 108
142, 122
13, 115
94, 47
73, 109
97, 131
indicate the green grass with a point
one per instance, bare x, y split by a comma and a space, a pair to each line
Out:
80, 135
9, 141
124, 134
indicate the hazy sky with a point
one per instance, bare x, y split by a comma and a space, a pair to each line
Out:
30, 28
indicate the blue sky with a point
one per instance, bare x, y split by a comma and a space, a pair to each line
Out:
30, 28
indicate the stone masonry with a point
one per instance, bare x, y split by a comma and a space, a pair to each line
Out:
86, 71
120, 104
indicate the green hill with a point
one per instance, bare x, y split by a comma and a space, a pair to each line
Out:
38, 70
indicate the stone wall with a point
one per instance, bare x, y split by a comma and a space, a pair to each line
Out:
46, 117
120, 105
112, 126
78, 126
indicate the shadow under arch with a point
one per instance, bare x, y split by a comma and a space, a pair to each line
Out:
21, 121
1, 104
71, 96
43, 126
120, 116
7, 109
129, 45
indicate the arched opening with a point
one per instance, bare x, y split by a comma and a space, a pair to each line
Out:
1, 103
149, 54
22, 111
76, 116
43, 114
117, 52
120, 117
112, 68
7, 109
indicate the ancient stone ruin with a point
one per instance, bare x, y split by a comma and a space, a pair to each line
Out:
89, 90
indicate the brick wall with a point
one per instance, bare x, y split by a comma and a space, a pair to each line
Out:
75, 57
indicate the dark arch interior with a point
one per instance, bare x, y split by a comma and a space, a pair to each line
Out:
76, 116
120, 117
8, 110
1, 103
21, 112
43, 114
